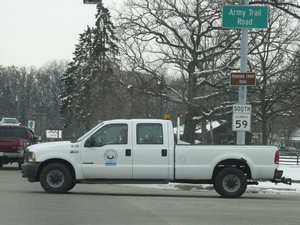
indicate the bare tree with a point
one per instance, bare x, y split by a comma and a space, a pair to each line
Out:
32, 94
17, 86
291, 7
274, 49
184, 39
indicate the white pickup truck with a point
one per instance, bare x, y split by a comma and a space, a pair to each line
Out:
144, 151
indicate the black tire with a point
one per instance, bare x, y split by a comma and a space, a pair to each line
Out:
72, 185
20, 165
230, 183
56, 178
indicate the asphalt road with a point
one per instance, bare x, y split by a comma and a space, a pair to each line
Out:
24, 203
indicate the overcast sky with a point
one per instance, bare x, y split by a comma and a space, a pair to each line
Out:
34, 32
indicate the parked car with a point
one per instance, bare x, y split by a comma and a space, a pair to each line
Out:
9, 121
13, 141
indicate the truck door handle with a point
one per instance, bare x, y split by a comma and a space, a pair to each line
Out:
164, 152
128, 152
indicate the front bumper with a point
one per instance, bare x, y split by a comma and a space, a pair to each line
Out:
278, 178
30, 170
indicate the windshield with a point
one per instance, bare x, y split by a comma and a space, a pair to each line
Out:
8, 120
89, 132
13, 132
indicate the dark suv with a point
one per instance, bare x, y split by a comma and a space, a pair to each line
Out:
13, 141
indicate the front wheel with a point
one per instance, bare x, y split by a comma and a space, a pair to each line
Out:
56, 178
230, 183
20, 165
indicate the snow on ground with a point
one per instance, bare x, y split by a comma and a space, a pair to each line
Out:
290, 171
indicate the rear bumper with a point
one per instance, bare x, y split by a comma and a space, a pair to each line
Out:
30, 171
9, 157
278, 178
12, 154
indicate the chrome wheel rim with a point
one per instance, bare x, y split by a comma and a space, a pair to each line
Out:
231, 183
55, 178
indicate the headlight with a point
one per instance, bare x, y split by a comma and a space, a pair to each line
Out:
29, 156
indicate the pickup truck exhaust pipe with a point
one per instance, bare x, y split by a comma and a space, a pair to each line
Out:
283, 180
278, 178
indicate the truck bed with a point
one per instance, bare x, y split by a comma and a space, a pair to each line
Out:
198, 161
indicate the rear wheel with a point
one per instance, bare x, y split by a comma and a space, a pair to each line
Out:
56, 178
72, 185
230, 183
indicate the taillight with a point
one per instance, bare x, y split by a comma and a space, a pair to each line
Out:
276, 158
21, 145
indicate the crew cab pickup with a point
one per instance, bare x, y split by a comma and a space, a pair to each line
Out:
13, 141
144, 151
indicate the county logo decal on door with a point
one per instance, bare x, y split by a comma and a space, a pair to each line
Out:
110, 157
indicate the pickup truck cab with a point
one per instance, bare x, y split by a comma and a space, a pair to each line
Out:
144, 151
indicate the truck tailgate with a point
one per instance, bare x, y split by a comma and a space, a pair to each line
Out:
10, 144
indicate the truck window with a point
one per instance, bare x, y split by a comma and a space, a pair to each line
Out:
17, 132
149, 133
110, 134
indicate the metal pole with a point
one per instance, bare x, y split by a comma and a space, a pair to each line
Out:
240, 140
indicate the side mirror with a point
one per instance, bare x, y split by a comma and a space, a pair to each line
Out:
92, 142
35, 139
88, 142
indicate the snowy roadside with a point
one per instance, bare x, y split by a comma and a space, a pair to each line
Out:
290, 171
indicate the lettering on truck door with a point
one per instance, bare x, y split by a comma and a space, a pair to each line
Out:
150, 151
105, 153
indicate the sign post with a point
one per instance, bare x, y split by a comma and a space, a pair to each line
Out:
241, 134
243, 17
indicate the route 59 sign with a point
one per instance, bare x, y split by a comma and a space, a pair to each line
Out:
241, 122
241, 118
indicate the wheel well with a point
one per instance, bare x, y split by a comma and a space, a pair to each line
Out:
237, 163
66, 163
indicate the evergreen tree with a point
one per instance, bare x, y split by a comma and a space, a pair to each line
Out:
90, 72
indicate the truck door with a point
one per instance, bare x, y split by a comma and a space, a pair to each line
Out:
107, 153
150, 151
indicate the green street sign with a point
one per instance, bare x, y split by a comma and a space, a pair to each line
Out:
31, 125
244, 16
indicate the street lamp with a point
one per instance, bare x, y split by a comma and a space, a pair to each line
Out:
91, 1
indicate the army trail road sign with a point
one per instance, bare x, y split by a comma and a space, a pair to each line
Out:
244, 16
